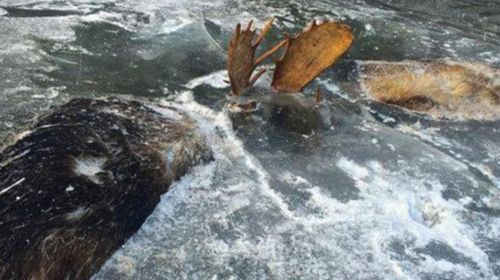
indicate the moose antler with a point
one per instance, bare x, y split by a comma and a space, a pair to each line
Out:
307, 55
310, 53
241, 61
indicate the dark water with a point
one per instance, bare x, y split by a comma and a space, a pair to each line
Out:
352, 189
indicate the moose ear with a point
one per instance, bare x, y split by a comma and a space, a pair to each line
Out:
309, 54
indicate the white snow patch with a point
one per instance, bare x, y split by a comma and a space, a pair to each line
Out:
215, 80
354, 170
428, 134
89, 167
292, 179
174, 24
111, 18
414, 209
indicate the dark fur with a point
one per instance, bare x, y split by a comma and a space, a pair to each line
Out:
48, 232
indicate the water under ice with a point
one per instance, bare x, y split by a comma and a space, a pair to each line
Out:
350, 190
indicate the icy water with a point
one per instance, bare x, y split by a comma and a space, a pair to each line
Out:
351, 189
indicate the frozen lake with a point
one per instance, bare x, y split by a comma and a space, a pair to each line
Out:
353, 189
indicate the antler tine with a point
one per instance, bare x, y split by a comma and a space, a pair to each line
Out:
270, 52
319, 96
241, 60
237, 31
267, 26
249, 25
257, 76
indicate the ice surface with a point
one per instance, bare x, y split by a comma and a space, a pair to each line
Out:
259, 217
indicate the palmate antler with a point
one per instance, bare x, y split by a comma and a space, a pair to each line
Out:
307, 55
241, 61
310, 53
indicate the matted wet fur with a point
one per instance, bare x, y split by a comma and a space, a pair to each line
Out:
441, 88
83, 180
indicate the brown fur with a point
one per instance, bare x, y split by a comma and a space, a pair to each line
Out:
50, 232
63, 249
440, 88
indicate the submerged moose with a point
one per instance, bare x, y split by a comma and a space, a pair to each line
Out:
83, 180
76, 186
440, 88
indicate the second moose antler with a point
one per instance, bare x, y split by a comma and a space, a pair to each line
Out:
310, 53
